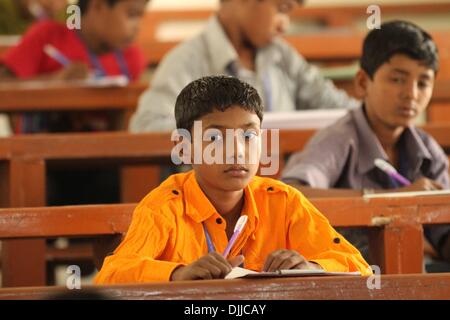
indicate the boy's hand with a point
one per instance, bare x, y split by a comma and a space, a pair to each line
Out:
288, 259
211, 266
423, 184
74, 71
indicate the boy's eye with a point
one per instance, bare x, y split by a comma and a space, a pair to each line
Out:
248, 135
423, 84
397, 80
214, 137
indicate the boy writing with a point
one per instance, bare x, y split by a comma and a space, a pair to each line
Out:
103, 45
180, 229
242, 40
398, 68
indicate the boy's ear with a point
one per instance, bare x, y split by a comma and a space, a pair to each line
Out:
360, 83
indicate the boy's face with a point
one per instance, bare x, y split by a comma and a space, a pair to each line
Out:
399, 91
118, 24
246, 146
262, 20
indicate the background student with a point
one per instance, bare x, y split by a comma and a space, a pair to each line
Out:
399, 64
241, 40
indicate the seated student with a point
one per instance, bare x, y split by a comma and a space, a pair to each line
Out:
167, 238
17, 15
242, 41
398, 68
103, 44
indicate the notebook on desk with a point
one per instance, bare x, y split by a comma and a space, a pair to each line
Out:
407, 194
245, 273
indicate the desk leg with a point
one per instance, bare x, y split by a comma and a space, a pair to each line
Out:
400, 248
23, 261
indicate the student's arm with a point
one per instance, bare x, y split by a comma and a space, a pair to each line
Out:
310, 233
74, 71
24, 61
422, 184
313, 90
320, 164
324, 193
155, 111
136, 258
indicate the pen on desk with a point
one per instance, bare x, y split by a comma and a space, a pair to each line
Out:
391, 171
54, 53
240, 224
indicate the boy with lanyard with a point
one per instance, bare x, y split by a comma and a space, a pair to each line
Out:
181, 229
399, 64
102, 46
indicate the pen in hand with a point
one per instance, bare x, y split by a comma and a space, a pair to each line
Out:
240, 224
55, 54
391, 171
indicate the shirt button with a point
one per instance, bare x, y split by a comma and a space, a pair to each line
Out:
219, 221
175, 192
337, 240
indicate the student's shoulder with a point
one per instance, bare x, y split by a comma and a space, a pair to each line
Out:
49, 27
167, 198
341, 132
191, 50
436, 151
271, 187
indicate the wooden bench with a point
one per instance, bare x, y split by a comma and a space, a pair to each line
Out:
399, 287
396, 233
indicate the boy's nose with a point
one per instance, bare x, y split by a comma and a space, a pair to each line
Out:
412, 90
282, 23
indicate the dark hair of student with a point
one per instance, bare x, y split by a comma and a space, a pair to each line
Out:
83, 4
207, 94
398, 37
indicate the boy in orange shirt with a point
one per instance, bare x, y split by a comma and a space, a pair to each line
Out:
180, 229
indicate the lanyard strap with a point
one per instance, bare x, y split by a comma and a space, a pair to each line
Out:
209, 242
100, 71
98, 68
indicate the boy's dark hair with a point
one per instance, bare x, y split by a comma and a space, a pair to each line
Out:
207, 94
83, 4
398, 37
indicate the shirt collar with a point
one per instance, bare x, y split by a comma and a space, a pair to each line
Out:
223, 55
200, 209
221, 51
370, 147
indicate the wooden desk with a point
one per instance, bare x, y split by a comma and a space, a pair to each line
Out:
121, 101
396, 233
24, 161
399, 287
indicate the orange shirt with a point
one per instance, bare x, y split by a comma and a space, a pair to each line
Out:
166, 231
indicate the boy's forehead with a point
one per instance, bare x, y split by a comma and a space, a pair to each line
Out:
232, 117
402, 62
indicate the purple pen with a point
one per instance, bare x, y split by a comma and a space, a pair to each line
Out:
390, 170
240, 224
